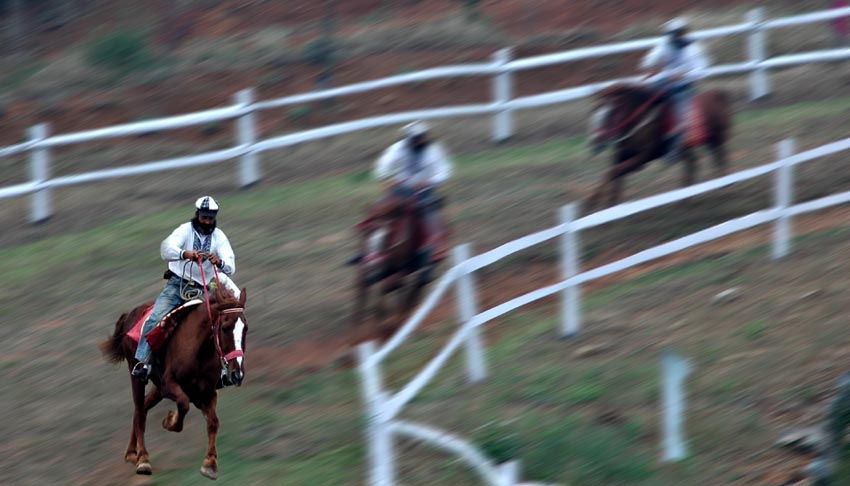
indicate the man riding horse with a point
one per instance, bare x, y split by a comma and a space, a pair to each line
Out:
412, 169
198, 239
674, 66
636, 121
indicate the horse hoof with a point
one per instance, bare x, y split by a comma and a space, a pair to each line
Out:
167, 419
144, 468
209, 472
131, 457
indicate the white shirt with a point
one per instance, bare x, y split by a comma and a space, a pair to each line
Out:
183, 238
690, 62
434, 166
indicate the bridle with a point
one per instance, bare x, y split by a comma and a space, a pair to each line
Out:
608, 132
216, 324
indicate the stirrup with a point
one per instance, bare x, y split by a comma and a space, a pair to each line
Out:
356, 259
142, 370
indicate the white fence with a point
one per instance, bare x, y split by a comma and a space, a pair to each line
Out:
384, 407
502, 107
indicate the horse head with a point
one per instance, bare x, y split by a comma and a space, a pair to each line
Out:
230, 332
617, 108
388, 232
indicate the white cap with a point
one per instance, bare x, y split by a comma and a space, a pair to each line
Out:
207, 206
415, 128
679, 23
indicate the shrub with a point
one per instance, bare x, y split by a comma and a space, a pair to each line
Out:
319, 51
122, 51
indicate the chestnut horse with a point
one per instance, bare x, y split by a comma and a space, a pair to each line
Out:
634, 120
203, 353
391, 242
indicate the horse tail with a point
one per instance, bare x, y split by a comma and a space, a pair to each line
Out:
111, 346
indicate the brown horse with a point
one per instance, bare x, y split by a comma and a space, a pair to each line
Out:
191, 367
634, 119
391, 240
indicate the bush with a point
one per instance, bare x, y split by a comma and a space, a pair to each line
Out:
122, 51
320, 51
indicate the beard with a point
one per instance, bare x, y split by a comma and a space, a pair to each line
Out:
681, 42
204, 229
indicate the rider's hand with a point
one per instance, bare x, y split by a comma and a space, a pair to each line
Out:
190, 255
214, 259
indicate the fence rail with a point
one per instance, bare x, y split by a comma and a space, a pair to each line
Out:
385, 407
502, 107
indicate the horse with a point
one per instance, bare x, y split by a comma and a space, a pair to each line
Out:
203, 353
635, 119
391, 239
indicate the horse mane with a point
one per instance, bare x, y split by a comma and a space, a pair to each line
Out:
223, 297
631, 92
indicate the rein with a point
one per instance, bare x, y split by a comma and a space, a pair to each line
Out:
635, 114
236, 353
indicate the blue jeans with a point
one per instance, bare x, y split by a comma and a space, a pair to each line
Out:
681, 95
426, 202
168, 299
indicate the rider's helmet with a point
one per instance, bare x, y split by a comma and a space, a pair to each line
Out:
677, 26
415, 129
206, 206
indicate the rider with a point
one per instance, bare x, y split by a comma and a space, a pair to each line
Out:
198, 238
416, 166
675, 64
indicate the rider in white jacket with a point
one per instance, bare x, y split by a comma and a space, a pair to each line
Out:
193, 240
416, 166
676, 64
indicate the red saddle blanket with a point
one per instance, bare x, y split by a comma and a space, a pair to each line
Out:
161, 331
696, 127
437, 238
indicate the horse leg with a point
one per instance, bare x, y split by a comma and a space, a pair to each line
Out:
718, 153
361, 301
612, 181
209, 468
174, 421
616, 191
690, 168
136, 450
383, 330
593, 201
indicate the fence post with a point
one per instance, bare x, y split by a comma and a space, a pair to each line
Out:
246, 135
757, 50
782, 196
40, 172
509, 473
502, 91
378, 433
476, 369
674, 370
571, 296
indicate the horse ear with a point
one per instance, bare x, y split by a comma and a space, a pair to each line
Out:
243, 296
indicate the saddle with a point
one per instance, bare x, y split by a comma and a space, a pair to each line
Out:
159, 334
696, 127
425, 236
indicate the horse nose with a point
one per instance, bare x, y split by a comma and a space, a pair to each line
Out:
236, 377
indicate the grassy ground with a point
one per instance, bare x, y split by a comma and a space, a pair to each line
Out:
763, 361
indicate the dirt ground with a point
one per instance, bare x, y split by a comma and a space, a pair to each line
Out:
46, 358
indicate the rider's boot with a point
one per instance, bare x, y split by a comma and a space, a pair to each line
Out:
142, 370
675, 149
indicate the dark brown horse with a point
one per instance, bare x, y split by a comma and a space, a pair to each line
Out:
635, 120
190, 369
391, 239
